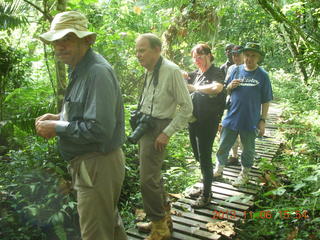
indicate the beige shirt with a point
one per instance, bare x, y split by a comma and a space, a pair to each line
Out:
171, 97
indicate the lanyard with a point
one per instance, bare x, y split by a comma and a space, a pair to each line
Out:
154, 79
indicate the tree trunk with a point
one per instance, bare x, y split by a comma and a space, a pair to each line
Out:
298, 57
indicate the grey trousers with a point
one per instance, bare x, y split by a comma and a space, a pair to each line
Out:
151, 160
98, 178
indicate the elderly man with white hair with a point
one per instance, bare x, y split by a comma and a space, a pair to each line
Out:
90, 127
250, 92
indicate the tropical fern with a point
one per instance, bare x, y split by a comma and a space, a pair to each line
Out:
9, 17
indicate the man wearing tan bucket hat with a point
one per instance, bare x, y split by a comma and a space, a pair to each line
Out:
90, 127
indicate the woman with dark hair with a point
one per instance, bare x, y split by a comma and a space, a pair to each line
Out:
208, 96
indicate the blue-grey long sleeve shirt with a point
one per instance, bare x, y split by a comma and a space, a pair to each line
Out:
92, 119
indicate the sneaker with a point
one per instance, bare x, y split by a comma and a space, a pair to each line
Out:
233, 160
144, 226
217, 172
202, 202
243, 177
196, 192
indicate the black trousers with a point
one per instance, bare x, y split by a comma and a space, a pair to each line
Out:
202, 134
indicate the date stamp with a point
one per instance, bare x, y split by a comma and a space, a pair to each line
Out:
282, 214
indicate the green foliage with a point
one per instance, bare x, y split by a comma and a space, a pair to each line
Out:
14, 69
298, 24
39, 99
8, 14
29, 191
117, 24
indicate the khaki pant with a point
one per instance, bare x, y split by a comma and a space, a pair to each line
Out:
151, 160
98, 178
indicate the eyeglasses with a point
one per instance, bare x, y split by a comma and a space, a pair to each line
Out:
198, 57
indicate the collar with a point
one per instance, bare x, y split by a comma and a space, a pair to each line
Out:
82, 65
208, 70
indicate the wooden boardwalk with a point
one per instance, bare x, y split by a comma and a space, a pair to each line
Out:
229, 204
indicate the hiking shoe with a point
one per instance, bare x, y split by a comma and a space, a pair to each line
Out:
217, 172
147, 226
201, 202
243, 177
195, 193
159, 230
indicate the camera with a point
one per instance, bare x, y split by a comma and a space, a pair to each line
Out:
134, 118
140, 123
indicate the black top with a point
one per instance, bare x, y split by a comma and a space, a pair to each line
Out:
207, 104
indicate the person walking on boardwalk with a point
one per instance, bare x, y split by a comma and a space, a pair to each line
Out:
208, 97
250, 93
165, 107
90, 128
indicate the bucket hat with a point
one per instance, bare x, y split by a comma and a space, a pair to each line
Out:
67, 22
252, 46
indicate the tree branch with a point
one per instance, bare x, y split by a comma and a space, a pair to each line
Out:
45, 14
276, 13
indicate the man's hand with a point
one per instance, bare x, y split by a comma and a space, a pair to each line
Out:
46, 128
262, 128
234, 83
48, 116
161, 142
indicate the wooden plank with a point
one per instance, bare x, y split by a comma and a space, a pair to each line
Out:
227, 197
209, 211
233, 178
192, 216
240, 189
194, 232
235, 174
237, 168
192, 223
225, 203
134, 234
265, 152
230, 192
237, 171
269, 145
229, 186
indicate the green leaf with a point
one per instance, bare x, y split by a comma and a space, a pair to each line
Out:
311, 179
299, 186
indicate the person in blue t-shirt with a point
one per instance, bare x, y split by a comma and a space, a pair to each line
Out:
250, 93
